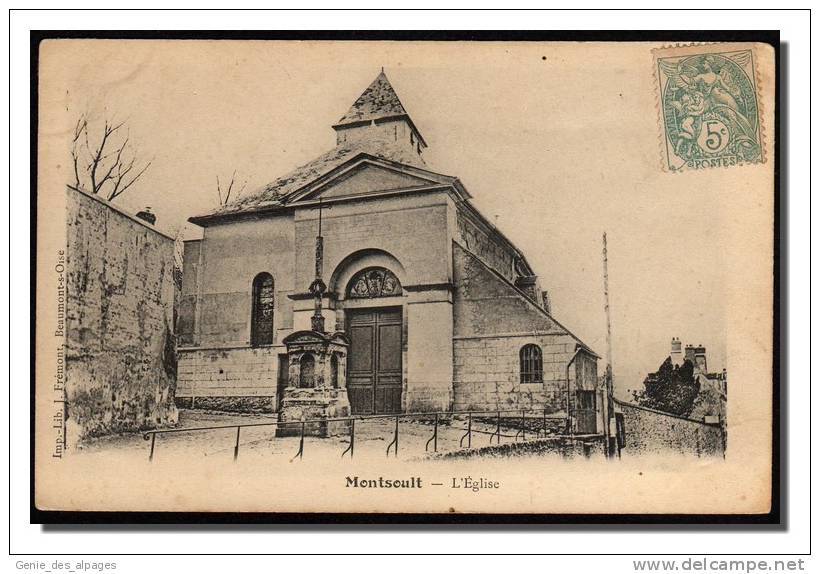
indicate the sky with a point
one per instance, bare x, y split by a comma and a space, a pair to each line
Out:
557, 143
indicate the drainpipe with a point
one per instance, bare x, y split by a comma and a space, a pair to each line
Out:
578, 349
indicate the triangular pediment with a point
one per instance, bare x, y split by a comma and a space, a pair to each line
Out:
366, 178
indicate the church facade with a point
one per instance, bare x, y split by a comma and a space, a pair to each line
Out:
441, 311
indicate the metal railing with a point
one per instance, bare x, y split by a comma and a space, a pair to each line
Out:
499, 417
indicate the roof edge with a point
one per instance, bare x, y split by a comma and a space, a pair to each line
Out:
207, 218
530, 301
494, 229
216, 219
121, 211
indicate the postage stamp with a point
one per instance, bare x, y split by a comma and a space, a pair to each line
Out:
709, 107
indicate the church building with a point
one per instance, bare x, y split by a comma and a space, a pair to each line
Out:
440, 311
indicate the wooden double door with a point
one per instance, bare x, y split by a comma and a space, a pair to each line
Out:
374, 360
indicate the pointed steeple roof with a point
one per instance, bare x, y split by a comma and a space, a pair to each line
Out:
378, 102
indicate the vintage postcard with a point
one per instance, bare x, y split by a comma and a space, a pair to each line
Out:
461, 278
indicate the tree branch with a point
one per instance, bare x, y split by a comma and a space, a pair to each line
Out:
223, 200
219, 192
107, 168
79, 128
230, 187
130, 183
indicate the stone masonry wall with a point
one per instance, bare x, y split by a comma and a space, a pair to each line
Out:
216, 359
229, 379
186, 315
650, 431
120, 360
411, 229
492, 321
486, 374
481, 244
229, 258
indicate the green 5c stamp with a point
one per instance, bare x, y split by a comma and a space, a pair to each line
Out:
709, 106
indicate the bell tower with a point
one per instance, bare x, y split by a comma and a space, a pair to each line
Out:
379, 116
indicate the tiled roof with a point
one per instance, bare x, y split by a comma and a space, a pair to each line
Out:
275, 192
379, 100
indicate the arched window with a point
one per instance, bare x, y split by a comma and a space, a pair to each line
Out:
307, 366
262, 310
373, 282
532, 368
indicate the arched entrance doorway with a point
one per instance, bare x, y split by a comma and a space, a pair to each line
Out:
375, 332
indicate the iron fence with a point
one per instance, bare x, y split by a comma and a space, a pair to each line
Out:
524, 421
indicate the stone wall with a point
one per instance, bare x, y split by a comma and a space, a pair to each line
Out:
650, 431
412, 229
489, 249
238, 379
429, 380
486, 375
540, 447
186, 306
120, 360
217, 281
408, 235
492, 322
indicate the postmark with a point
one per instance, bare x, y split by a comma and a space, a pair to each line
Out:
709, 107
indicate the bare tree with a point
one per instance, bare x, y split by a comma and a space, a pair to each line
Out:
224, 195
107, 167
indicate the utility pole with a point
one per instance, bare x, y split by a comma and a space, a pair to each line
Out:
606, 308
609, 386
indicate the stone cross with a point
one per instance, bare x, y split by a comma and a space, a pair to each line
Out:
317, 286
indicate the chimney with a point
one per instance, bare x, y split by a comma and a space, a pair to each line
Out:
696, 354
700, 359
675, 354
147, 216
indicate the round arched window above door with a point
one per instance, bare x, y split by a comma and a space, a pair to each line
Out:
373, 282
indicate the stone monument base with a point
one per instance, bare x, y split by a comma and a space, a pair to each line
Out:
314, 404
